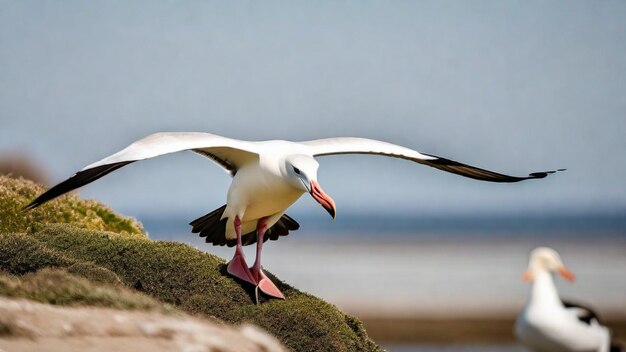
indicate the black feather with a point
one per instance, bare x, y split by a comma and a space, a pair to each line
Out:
222, 162
80, 179
586, 314
476, 173
214, 230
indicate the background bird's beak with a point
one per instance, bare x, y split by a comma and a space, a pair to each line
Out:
528, 276
568, 275
328, 203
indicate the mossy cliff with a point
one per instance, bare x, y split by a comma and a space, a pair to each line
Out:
72, 251
68, 209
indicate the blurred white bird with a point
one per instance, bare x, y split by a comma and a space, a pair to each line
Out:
549, 324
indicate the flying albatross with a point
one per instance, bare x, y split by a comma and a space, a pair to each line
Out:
267, 178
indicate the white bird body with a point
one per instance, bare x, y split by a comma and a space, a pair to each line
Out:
258, 191
546, 325
268, 177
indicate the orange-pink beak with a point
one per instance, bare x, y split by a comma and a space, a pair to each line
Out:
567, 275
528, 276
324, 199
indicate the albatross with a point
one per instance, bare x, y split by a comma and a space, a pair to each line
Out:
267, 178
549, 324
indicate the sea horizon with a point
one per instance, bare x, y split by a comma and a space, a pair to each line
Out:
577, 224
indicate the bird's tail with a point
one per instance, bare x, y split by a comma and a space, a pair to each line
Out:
213, 228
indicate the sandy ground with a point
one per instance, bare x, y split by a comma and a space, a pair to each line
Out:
30, 326
461, 331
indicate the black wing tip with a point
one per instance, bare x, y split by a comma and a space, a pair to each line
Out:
77, 180
32, 205
477, 173
43, 198
544, 174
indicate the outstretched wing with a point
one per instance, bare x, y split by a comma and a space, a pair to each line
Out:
230, 154
353, 145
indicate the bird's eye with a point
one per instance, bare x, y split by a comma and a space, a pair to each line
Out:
296, 170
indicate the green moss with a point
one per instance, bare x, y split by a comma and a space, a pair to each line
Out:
57, 286
85, 261
88, 214
21, 254
31, 269
310, 325
196, 282
95, 273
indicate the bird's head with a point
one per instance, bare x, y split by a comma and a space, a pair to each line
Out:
546, 260
301, 171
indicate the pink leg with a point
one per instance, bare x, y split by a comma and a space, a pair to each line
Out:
264, 283
237, 266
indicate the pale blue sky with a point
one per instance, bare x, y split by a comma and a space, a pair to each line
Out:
513, 86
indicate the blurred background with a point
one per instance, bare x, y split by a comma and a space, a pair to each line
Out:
429, 260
